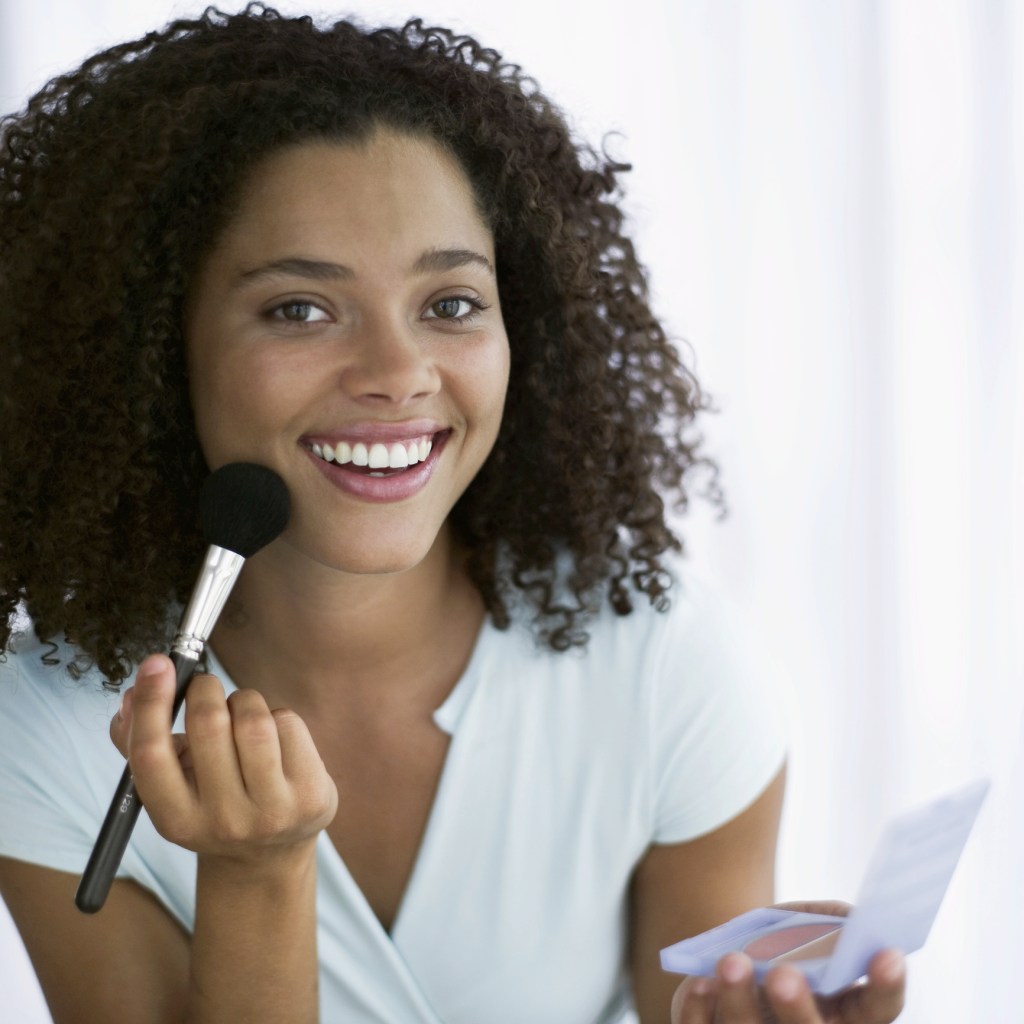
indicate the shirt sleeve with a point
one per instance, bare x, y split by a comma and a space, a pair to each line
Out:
53, 748
718, 718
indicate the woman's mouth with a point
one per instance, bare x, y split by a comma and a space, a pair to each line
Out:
378, 458
382, 470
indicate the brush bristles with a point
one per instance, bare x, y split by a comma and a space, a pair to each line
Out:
243, 507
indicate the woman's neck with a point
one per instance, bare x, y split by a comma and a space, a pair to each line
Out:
306, 636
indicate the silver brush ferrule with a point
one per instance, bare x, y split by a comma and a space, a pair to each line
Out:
216, 578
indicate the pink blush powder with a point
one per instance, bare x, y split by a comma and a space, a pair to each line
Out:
786, 940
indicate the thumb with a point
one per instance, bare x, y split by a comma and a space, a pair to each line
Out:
120, 724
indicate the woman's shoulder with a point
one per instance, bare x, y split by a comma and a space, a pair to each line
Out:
696, 656
689, 623
57, 764
36, 676
692, 633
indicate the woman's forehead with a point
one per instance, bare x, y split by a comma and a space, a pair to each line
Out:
388, 189
390, 204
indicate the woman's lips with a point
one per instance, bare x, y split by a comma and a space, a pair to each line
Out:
381, 484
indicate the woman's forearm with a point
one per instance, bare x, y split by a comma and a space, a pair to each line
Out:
254, 952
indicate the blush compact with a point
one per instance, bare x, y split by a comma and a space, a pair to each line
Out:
769, 936
793, 941
898, 901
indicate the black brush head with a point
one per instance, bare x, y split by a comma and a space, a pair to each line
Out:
243, 507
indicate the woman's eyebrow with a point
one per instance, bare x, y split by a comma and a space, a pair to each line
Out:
434, 260
297, 266
431, 261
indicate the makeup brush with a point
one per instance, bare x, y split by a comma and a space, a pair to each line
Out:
242, 508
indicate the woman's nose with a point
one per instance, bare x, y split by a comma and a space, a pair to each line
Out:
389, 363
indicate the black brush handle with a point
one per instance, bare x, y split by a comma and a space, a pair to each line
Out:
123, 813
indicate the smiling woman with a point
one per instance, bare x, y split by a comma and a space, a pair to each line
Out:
380, 350
377, 263
181, 122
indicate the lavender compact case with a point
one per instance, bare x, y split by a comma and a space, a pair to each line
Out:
898, 901
769, 936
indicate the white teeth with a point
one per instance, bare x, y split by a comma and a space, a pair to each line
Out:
398, 456
378, 455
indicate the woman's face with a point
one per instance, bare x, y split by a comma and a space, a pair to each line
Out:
346, 332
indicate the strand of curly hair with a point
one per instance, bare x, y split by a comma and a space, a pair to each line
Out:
115, 181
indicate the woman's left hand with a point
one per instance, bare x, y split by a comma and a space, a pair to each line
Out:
732, 997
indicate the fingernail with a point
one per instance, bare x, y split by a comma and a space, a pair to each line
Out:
152, 666
701, 987
734, 969
787, 987
893, 970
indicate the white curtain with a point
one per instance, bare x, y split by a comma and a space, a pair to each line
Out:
828, 197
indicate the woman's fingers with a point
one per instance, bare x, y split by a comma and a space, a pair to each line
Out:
211, 742
240, 778
738, 998
304, 769
258, 747
881, 1000
787, 993
732, 997
694, 1001
145, 730
281, 768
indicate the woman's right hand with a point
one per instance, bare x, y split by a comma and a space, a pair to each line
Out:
734, 997
242, 782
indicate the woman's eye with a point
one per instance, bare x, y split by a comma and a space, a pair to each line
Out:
455, 307
297, 312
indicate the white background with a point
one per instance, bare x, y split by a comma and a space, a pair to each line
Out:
828, 196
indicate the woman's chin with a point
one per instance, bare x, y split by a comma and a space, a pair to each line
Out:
391, 564
380, 554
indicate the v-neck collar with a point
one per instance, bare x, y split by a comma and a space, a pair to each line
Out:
349, 922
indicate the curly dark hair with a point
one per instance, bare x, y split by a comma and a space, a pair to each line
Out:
114, 182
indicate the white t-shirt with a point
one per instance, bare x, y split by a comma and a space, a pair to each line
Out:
561, 771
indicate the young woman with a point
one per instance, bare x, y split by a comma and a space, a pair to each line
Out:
472, 746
